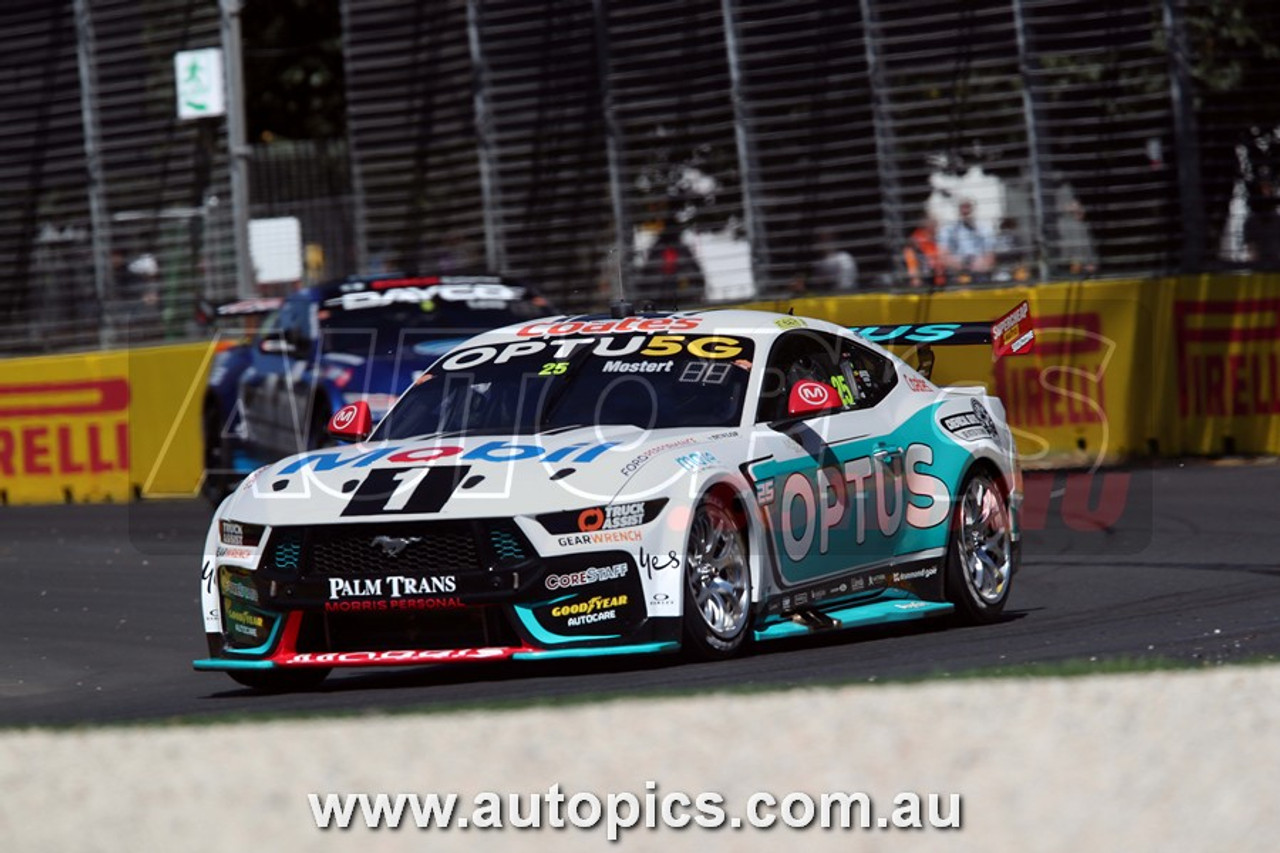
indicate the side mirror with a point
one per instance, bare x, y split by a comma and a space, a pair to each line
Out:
808, 397
352, 423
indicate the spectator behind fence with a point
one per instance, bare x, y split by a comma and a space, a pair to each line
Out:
136, 292
967, 248
670, 276
834, 270
1010, 252
1262, 229
1078, 253
922, 257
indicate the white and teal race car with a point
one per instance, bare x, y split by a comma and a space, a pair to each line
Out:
604, 485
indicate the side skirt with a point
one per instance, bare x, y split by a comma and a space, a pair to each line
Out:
893, 606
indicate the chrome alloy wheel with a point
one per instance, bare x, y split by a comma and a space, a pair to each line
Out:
985, 547
718, 578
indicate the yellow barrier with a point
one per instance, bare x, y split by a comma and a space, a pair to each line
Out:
1219, 350
1186, 366
102, 426
1072, 401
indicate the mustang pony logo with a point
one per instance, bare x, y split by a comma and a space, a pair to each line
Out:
393, 545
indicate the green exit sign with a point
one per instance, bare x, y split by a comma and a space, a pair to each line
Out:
200, 83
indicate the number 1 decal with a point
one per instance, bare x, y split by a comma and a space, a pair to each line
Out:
406, 490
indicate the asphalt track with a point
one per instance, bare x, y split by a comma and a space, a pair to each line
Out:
99, 609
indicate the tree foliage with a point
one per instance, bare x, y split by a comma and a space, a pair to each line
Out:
293, 71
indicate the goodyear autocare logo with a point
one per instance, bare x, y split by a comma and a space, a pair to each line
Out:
597, 608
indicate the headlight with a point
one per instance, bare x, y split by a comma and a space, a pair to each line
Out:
239, 533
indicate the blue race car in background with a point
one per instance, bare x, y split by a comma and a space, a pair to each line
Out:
324, 347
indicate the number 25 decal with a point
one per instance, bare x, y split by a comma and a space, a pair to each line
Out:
553, 368
405, 490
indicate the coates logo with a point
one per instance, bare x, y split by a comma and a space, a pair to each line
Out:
813, 394
345, 417
602, 327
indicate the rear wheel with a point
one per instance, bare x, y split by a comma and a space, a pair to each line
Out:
280, 680
717, 593
980, 556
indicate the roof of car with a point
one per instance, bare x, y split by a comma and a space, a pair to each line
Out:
392, 281
758, 325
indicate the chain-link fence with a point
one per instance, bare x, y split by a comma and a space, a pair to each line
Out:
684, 151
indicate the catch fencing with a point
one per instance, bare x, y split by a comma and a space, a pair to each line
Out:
683, 151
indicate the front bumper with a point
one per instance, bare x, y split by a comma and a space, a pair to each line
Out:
451, 592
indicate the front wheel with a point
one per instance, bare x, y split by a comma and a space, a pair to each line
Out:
717, 593
980, 555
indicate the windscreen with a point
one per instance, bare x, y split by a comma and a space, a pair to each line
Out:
648, 381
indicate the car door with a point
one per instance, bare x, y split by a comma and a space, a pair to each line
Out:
275, 391
832, 485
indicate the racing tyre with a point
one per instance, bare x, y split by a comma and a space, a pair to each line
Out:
717, 593
281, 681
980, 557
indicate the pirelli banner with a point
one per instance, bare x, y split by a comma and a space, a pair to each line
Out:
101, 426
1082, 396
1185, 366
1218, 359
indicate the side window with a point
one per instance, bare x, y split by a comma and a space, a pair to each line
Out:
870, 376
295, 322
798, 355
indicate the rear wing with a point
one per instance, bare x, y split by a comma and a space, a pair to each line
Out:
1012, 334
208, 314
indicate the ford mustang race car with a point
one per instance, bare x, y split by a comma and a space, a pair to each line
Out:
608, 485
332, 344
